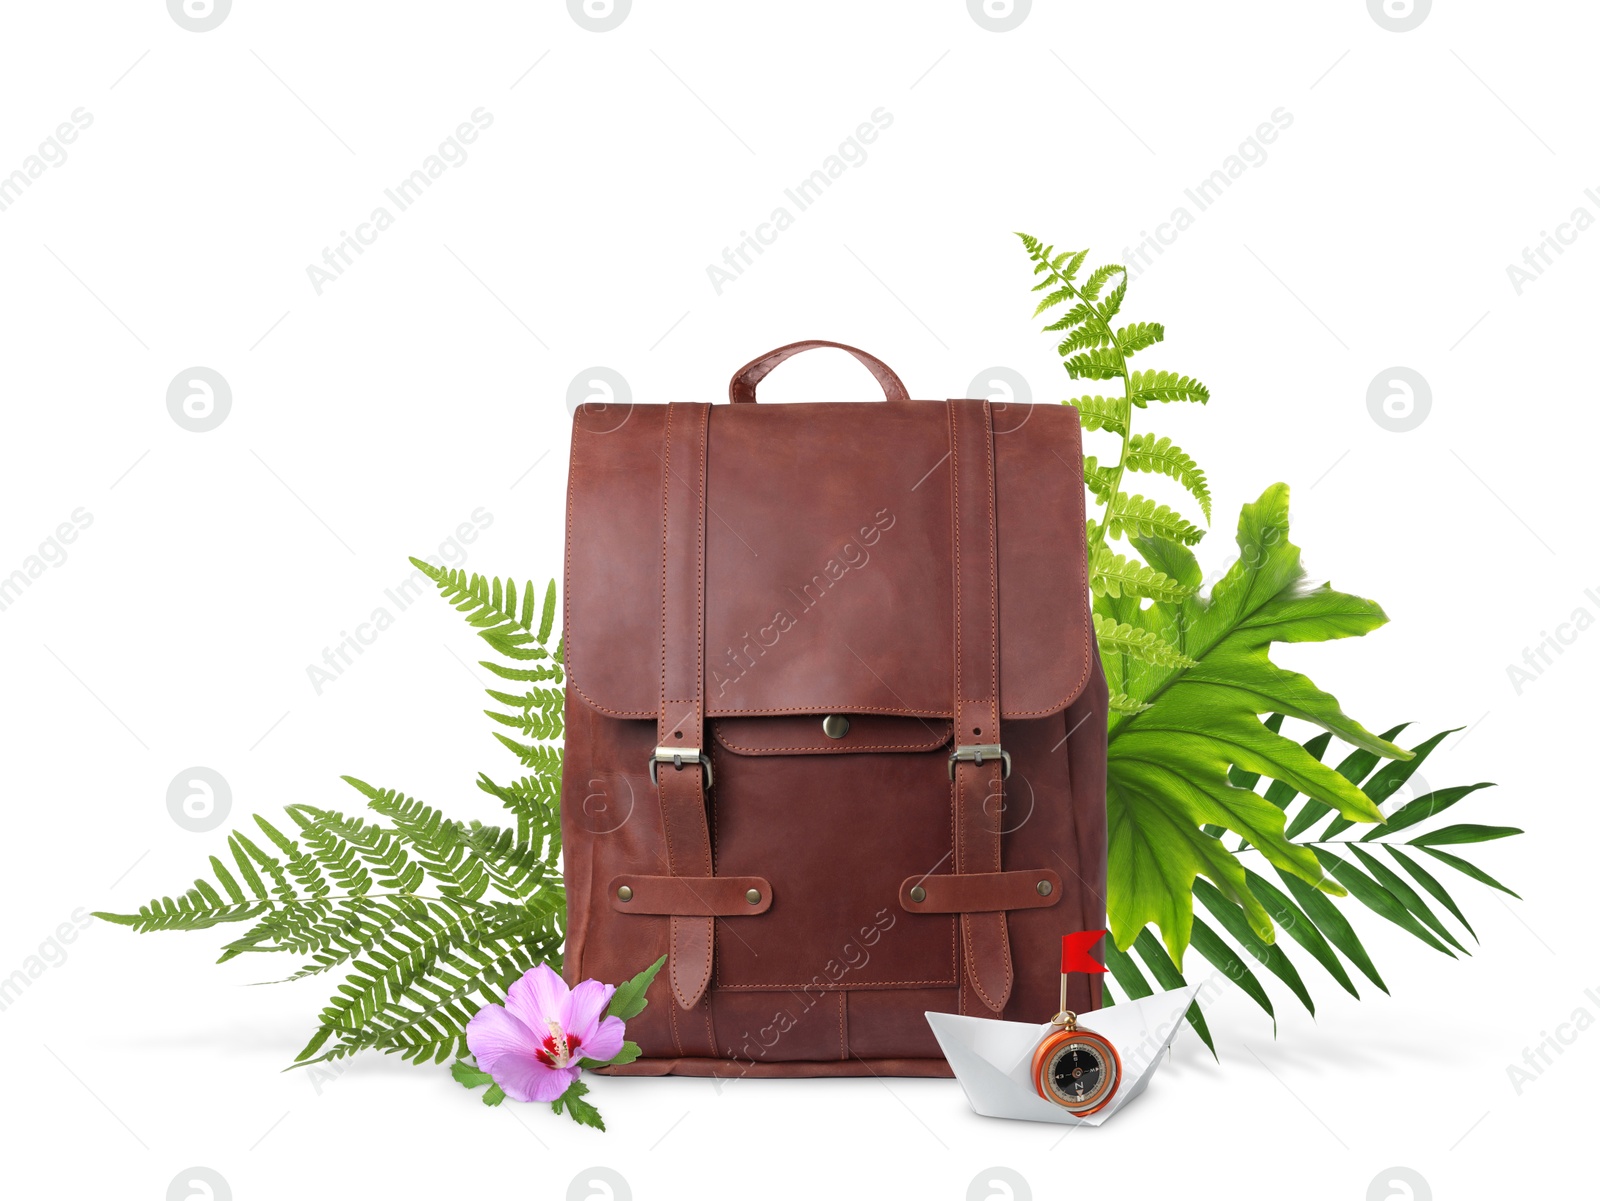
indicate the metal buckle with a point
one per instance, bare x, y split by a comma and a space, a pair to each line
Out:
978, 753
678, 756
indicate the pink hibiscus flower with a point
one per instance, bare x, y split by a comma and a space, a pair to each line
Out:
532, 1044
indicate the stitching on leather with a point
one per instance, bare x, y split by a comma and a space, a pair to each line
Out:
858, 986
994, 662
672, 1014
700, 616
737, 747
843, 1045
661, 712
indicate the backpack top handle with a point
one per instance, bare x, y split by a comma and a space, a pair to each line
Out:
742, 387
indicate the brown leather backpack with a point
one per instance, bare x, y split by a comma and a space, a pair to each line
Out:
835, 723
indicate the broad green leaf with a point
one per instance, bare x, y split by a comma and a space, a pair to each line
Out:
469, 1076
1168, 767
630, 1051
575, 1107
629, 999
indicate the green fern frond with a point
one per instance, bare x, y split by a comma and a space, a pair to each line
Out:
1097, 279
1145, 645
537, 712
1121, 702
1116, 575
1112, 304
1146, 452
1135, 337
1142, 517
1075, 316
1109, 413
535, 802
1053, 299
1085, 337
1145, 386
1096, 364
1099, 480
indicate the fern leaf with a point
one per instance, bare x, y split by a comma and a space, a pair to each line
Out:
1076, 315
1145, 452
1097, 279
1117, 575
1145, 386
1096, 364
1145, 645
1051, 300
1135, 337
1109, 413
1137, 515
1112, 305
1121, 702
1099, 480
547, 618
1086, 337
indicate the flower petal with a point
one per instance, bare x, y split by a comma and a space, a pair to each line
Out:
527, 1079
580, 1013
537, 997
606, 1042
493, 1036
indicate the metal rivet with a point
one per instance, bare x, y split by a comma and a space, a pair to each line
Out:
1044, 888
624, 893
835, 725
919, 893
753, 896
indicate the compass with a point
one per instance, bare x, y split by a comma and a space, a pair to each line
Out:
1078, 1070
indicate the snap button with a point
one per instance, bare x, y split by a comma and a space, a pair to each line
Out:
1043, 888
835, 725
624, 893
753, 896
918, 893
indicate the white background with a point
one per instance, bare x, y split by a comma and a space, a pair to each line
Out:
430, 381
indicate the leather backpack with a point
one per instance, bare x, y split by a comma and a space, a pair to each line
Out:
835, 723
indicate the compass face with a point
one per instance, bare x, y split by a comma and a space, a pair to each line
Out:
1079, 1072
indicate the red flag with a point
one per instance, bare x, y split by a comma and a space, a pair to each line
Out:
1075, 955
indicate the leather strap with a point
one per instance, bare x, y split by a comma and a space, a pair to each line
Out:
977, 795
981, 892
742, 387
720, 896
681, 717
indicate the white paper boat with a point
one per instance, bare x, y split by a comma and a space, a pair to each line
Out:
993, 1059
